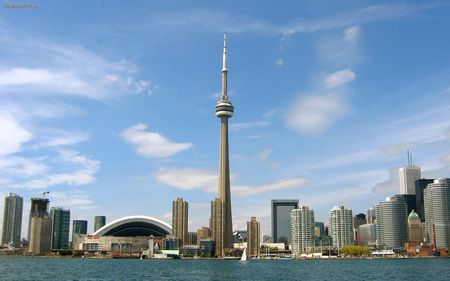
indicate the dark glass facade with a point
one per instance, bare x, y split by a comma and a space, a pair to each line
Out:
281, 219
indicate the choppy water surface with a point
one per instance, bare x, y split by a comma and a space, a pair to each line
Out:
22, 268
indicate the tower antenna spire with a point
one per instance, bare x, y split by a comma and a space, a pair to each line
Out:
224, 65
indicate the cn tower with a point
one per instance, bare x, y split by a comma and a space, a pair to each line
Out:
224, 110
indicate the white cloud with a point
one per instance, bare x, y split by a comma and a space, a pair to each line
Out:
352, 158
264, 155
82, 171
152, 144
12, 136
339, 77
391, 185
313, 115
397, 149
247, 125
45, 68
13, 166
279, 62
245, 191
189, 178
72, 199
351, 34
207, 180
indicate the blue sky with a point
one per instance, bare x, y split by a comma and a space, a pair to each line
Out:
110, 106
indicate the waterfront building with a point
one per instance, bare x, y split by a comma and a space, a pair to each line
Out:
281, 219
341, 226
40, 231
79, 227
207, 248
410, 201
367, 235
240, 236
358, 220
60, 228
254, 237
319, 229
391, 223
370, 215
180, 220
203, 233
420, 186
12, 220
302, 230
408, 176
437, 213
224, 110
99, 222
39, 208
128, 236
416, 228
192, 238
79, 231
217, 225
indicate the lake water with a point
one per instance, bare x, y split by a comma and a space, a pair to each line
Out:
26, 268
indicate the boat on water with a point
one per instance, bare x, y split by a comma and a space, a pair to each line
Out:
244, 255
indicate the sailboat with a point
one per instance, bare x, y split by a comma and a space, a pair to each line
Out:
244, 255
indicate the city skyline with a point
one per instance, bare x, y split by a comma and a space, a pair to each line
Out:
330, 98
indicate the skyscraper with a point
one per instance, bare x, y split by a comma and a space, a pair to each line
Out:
254, 237
319, 229
217, 225
12, 220
358, 220
180, 220
79, 227
40, 231
281, 219
416, 228
367, 234
437, 213
39, 208
341, 226
391, 223
203, 233
421, 184
408, 176
79, 231
370, 215
302, 230
60, 228
99, 222
224, 110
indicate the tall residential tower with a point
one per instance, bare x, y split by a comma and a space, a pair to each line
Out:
180, 220
12, 220
224, 110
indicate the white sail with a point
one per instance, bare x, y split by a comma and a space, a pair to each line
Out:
244, 255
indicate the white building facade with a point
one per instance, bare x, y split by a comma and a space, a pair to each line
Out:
341, 226
302, 230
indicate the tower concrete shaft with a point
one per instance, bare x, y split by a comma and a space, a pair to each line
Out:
224, 110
